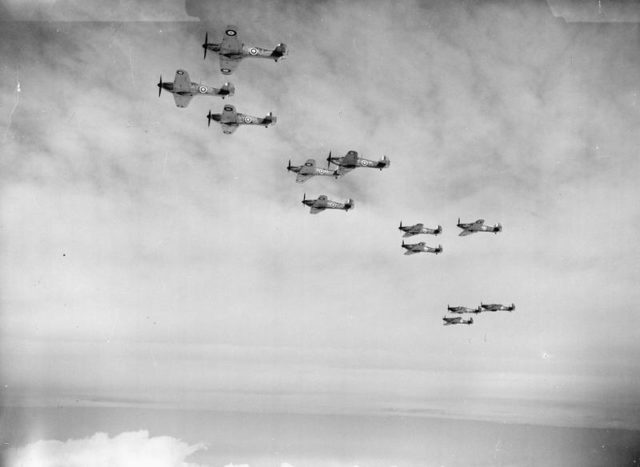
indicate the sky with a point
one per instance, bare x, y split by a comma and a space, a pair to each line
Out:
149, 262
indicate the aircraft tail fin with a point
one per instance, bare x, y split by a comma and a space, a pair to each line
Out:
270, 119
349, 204
384, 163
280, 51
400, 225
228, 89
438, 230
439, 250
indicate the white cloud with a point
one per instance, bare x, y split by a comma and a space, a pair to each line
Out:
129, 449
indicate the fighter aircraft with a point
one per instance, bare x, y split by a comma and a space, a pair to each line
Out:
322, 203
411, 230
463, 309
230, 119
456, 320
477, 226
351, 160
231, 50
497, 307
308, 170
413, 248
183, 89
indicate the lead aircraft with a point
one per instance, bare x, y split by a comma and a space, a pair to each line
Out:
232, 51
352, 160
416, 229
229, 119
309, 169
456, 320
413, 248
183, 89
322, 202
497, 307
477, 226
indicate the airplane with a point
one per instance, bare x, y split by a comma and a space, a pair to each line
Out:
497, 307
351, 160
183, 89
230, 119
308, 170
477, 226
413, 248
463, 309
232, 51
456, 320
322, 203
411, 230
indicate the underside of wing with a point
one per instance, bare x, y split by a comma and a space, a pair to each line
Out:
316, 209
181, 82
464, 233
182, 101
479, 223
227, 129
302, 177
229, 114
228, 65
344, 170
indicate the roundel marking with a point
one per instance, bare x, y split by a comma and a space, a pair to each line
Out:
247, 119
203, 89
228, 108
230, 32
225, 70
365, 163
180, 72
253, 51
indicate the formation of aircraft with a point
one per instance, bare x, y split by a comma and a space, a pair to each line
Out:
231, 51
309, 169
230, 120
417, 229
352, 160
497, 307
477, 226
322, 202
448, 321
183, 89
413, 248
463, 309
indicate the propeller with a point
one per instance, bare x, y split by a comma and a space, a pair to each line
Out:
289, 165
329, 160
206, 42
304, 198
209, 117
160, 86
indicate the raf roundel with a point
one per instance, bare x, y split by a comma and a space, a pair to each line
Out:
203, 89
225, 70
247, 119
230, 32
253, 51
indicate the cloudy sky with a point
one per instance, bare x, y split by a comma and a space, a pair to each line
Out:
150, 263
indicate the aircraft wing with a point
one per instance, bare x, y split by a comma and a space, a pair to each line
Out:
229, 114
182, 101
301, 178
478, 223
228, 65
230, 42
228, 129
350, 159
464, 233
181, 83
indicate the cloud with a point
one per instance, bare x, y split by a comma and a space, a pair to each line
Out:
129, 449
